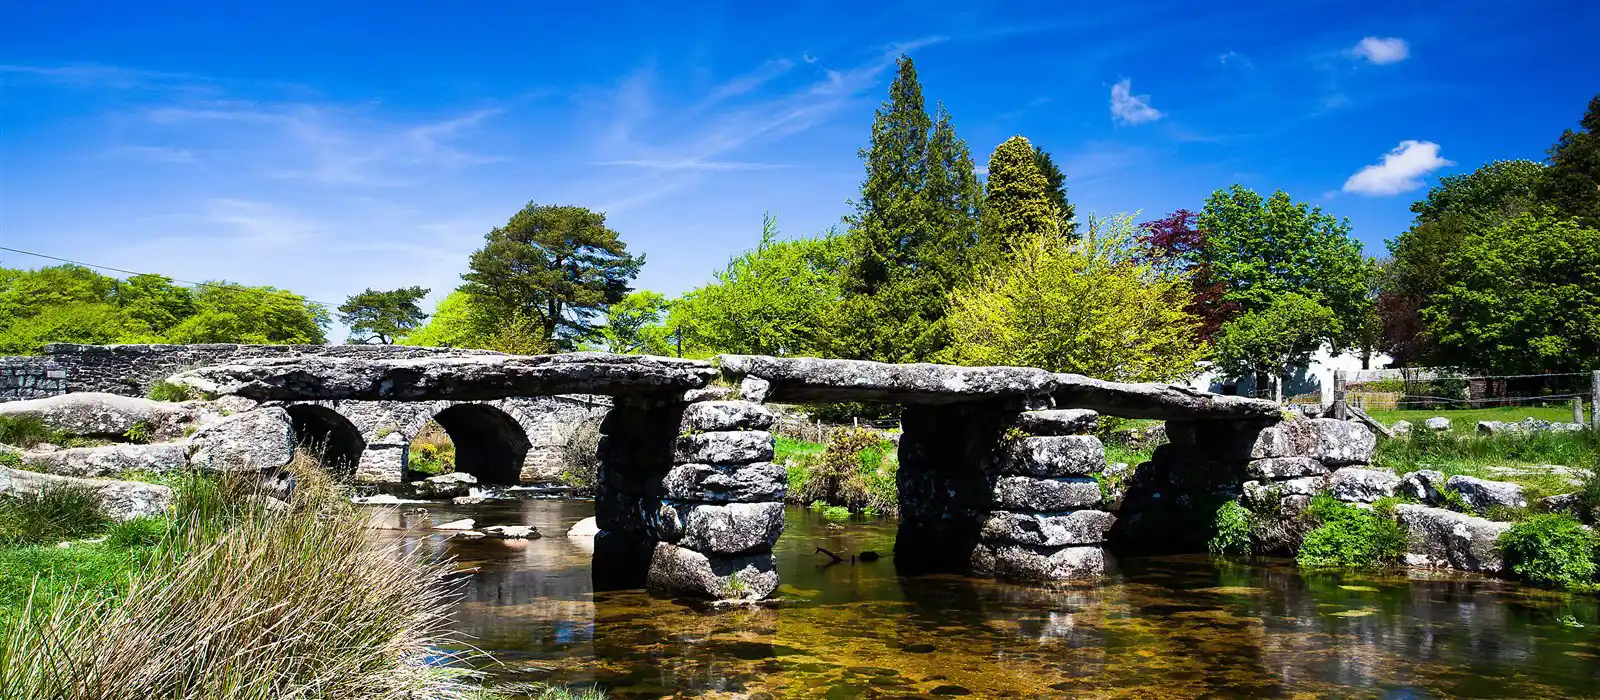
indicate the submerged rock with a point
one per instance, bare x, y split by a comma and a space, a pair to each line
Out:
1444, 538
681, 570
1028, 563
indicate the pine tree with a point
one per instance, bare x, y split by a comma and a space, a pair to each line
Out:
954, 197
889, 213
1572, 182
1058, 188
1017, 205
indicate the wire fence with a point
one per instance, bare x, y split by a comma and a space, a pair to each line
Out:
1431, 389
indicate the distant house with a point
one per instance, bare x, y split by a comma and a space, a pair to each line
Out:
1314, 378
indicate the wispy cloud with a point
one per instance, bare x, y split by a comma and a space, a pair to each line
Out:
1234, 58
159, 154
1381, 50
1128, 108
693, 164
1400, 171
99, 76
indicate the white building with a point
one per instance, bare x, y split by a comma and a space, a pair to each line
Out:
1314, 378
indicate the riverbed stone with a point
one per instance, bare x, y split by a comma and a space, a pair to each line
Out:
1442, 538
1062, 455
449, 485
1026, 493
1029, 563
680, 570
586, 527
1482, 494
259, 439
734, 528
726, 483
1048, 529
110, 460
462, 524
121, 500
1425, 485
711, 416
1356, 485
724, 447
1065, 421
1285, 468
1343, 442
101, 415
512, 532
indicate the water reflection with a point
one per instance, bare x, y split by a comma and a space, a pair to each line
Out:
1162, 627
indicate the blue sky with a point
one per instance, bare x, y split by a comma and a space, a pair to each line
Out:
327, 147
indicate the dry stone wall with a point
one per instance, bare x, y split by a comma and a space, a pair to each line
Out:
24, 378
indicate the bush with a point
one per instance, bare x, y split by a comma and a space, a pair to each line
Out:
1349, 537
580, 457
25, 430
53, 515
1551, 549
432, 452
856, 470
168, 391
1233, 530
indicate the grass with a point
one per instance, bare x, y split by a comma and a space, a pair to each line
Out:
1466, 420
431, 451
168, 391
27, 430
50, 516
1473, 455
786, 448
856, 471
1119, 453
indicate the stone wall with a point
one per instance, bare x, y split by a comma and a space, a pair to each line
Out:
31, 378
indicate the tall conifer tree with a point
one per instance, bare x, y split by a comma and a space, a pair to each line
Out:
1018, 205
1058, 188
1572, 182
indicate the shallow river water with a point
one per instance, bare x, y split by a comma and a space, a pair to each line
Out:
1170, 627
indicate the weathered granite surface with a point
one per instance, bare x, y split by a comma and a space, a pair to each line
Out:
1444, 538
122, 500
1048, 529
801, 379
94, 414
1158, 401
1061, 455
1063, 421
110, 460
259, 439
1028, 563
1483, 494
1355, 485
726, 483
675, 569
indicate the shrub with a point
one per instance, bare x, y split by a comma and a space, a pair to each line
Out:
580, 457
1349, 537
432, 451
1233, 530
54, 514
10, 460
26, 430
168, 391
836, 513
138, 433
856, 471
1551, 549
143, 531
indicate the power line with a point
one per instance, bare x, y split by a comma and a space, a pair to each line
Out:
131, 272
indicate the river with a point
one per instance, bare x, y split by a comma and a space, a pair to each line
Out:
1166, 627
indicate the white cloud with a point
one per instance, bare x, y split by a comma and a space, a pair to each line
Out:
1400, 170
1128, 108
694, 164
1381, 50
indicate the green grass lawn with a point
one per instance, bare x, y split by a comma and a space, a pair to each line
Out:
784, 448
1467, 419
1478, 456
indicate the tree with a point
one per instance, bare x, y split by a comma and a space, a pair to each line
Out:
457, 322
1273, 341
154, 301
233, 313
778, 299
550, 272
1018, 204
92, 323
1572, 183
383, 316
1058, 189
1174, 243
1090, 306
954, 198
1522, 297
633, 325
1260, 250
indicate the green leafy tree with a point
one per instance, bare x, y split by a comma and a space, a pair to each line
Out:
233, 313
29, 292
778, 299
1057, 182
93, 323
1270, 342
457, 322
634, 325
1092, 306
1261, 249
550, 273
1572, 184
1523, 296
154, 301
383, 316
1019, 205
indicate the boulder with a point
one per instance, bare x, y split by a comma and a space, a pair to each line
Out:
1285, 468
584, 528
110, 460
95, 414
1047, 529
1562, 503
1402, 427
755, 389
1425, 485
1526, 425
1355, 485
121, 500
1066, 421
807, 379
1444, 538
711, 393
713, 416
1063, 455
1027, 563
1343, 443
1295, 438
459, 378
684, 571
734, 528
725, 447
1481, 494
728, 483
462, 524
1026, 493
1438, 424
512, 532
260, 439
1262, 492
444, 485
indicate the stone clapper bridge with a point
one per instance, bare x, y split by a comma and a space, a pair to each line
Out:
998, 475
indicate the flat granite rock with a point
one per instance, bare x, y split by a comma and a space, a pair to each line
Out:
259, 439
1062, 455
449, 378
675, 569
707, 416
1446, 539
1355, 485
1047, 529
726, 483
1482, 494
121, 500
734, 528
1158, 401
95, 414
1285, 468
1027, 563
1063, 421
1024, 493
800, 379
110, 460
726, 447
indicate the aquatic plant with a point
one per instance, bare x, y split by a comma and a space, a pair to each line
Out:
836, 513
1232, 530
1551, 549
1349, 537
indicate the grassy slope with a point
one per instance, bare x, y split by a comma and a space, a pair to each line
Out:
1471, 455
1467, 419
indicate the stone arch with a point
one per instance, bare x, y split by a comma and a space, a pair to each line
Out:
328, 431
490, 442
